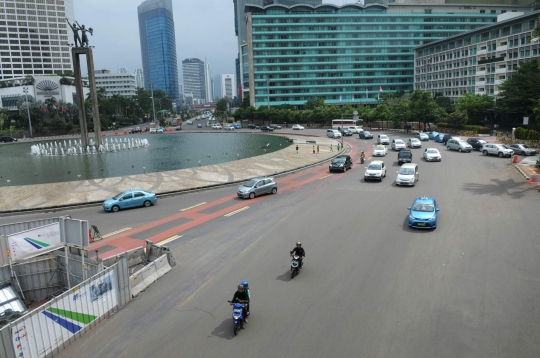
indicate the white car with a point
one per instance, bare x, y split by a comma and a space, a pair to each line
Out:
422, 136
375, 171
398, 144
217, 126
432, 155
497, 149
380, 151
383, 139
353, 129
297, 127
414, 143
333, 133
153, 130
228, 127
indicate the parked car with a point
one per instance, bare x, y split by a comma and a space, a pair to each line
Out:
347, 132
207, 124
404, 156
256, 187
383, 139
459, 145
353, 129
439, 138
448, 136
253, 126
228, 127
217, 126
423, 213
333, 133
178, 128
365, 135
497, 149
407, 174
432, 155
432, 135
190, 122
199, 125
267, 129
380, 151
130, 199
160, 130
297, 127
414, 143
274, 126
375, 171
237, 126
153, 130
476, 143
7, 139
341, 163
422, 137
522, 149
136, 130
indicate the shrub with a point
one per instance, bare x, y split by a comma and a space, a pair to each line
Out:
483, 130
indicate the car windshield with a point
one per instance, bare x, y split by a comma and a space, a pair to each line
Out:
379, 147
462, 142
405, 154
118, 196
367, 132
433, 151
425, 207
250, 183
339, 160
399, 141
374, 167
406, 171
384, 137
414, 140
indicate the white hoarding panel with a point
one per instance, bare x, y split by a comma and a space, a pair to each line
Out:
34, 242
53, 327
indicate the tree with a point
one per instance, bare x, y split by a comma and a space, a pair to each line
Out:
245, 101
457, 119
444, 102
423, 107
475, 105
520, 92
313, 103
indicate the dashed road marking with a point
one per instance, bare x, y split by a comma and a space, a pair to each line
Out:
115, 232
326, 176
194, 206
236, 211
166, 241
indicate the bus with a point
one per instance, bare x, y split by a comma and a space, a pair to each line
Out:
339, 124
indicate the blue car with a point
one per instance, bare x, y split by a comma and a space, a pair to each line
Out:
190, 122
237, 126
423, 213
432, 135
439, 138
130, 199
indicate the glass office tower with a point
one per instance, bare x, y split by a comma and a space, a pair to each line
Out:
158, 46
346, 54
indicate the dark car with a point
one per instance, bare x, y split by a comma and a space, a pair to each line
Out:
253, 126
346, 132
404, 156
341, 163
267, 129
476, 143
365, 135
136, 130
7, 139
274, 126
178, 128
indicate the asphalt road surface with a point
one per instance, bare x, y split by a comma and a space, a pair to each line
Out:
371, 286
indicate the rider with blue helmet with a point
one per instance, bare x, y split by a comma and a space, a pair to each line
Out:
246, 287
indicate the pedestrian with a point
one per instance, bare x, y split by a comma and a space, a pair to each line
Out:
317, 149
297, 149
507, 133
313, 149
338, 147
331, 149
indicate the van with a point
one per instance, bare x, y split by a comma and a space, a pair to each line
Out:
333, 133
407, 174
459, 145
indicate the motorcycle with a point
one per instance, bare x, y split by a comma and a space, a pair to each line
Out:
238, 316
362, 158
295, 266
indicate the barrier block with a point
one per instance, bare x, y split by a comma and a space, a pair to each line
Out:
115, 133
103, 135
162, 266
125, 133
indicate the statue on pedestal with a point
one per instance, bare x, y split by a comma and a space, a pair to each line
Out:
75, 27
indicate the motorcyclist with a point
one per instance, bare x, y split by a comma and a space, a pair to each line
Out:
299, 251
362, 156
246, 287
241, 296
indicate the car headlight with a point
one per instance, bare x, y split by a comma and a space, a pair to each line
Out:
433, 218
412, 217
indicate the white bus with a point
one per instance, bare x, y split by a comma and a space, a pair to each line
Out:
354, 125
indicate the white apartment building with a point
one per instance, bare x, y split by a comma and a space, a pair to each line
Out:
34, 37
228, 85
123, 83
477, 61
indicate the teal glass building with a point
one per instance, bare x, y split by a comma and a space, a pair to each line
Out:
346, 54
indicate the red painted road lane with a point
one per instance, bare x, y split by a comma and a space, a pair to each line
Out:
124, 242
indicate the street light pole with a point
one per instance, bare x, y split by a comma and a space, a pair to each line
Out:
25, 90
153, 106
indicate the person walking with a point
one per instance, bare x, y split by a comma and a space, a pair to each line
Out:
338, 147
317, 149
331, 149
313, 149
297, 149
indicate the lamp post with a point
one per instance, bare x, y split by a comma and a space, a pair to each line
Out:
159, 101
153, 106
25, 90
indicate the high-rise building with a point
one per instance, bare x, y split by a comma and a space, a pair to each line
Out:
228, 88
208, 82
193, 70
122, 83
158, 46
353, 53
32, 43
139, 78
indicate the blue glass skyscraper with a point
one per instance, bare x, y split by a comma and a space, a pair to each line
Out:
158, 46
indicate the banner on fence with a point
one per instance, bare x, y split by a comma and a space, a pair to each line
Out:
48, 329
34, 242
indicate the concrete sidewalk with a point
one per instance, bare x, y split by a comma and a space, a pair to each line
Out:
53, 195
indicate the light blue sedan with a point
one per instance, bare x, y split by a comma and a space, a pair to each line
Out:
432, 135
423, 213
237, 126
439, 138
130, 199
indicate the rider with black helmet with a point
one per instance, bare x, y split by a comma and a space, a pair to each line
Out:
299, 251
241, 296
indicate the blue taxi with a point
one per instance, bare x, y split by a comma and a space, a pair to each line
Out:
423, 213
130, 199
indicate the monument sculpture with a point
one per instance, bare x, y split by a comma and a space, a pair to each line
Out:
80, 47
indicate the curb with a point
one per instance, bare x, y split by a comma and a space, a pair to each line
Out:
522, 172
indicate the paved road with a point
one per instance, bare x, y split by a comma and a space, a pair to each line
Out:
371, 286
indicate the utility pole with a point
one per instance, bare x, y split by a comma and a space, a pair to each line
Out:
153, 106
25, 90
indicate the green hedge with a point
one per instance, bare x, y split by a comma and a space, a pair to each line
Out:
528, 134
473, 128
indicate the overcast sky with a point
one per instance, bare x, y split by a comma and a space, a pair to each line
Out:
204, 29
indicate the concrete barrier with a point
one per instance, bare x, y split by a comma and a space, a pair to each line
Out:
162, 266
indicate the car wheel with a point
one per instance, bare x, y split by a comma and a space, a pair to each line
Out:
501, 155
448, 147
251, 195
274, 190
459, 150
147, 203
115, 208
485, 152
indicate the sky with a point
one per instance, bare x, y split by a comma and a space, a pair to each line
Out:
204, 29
